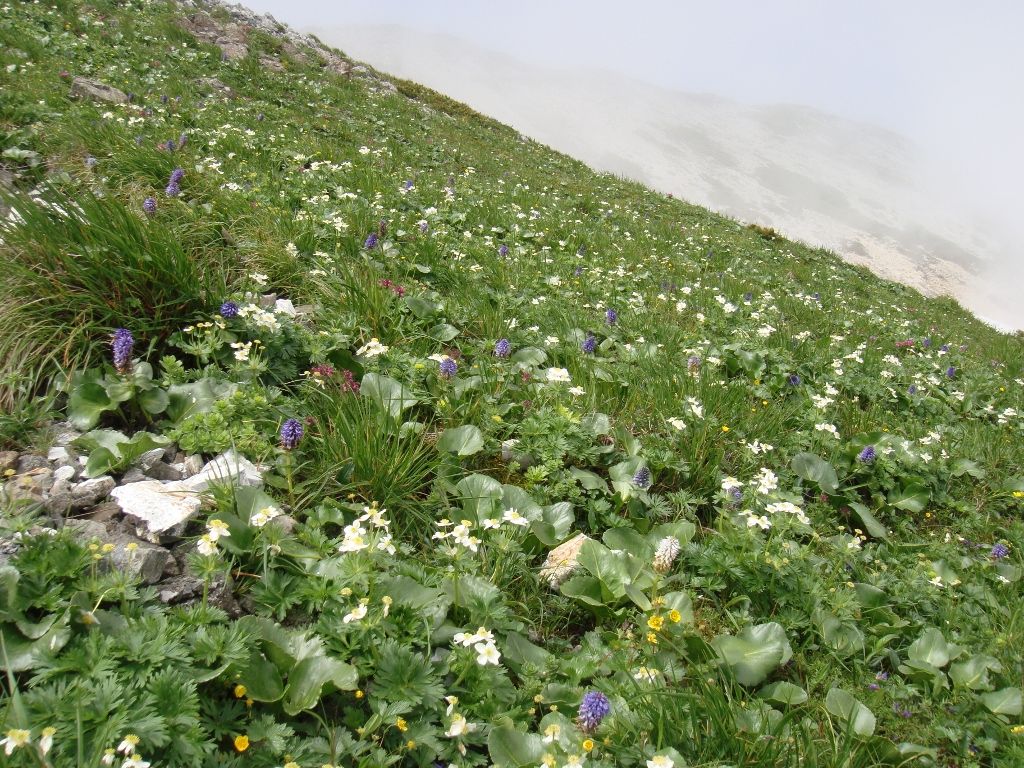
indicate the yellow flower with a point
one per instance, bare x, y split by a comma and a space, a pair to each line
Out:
410, 744
359, 694
538, 699
725, 428
401, 724
1018, 494
241, 743
652, 638
240, 691
588, 745
675, 616
1017, 729
656, 623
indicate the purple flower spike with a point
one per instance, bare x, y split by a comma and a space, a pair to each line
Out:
503, 250
177, 175
611, 316
448, 368
291, 434
371, 241
172, 190
594, 708
951, 372
867, 455
228, 310
121, 348
999, 551
502, 348
589, 344
149, 206
642, 478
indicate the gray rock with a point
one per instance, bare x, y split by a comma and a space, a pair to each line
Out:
213, 84
8, 461
192, 465
229, 467
149, 458
105, 512
133, 475
179, 589
30, 461
64, 474
139, 559
85, 88
91, 492
562, 561
159, 511
29, 487
161, 471
59, 455
65, 435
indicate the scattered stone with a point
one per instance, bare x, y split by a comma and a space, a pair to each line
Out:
84, 88
29, 487
213, 84
8, 461
178, 589
64, 474
274, 65
133, 475
159, 511
65, 435
105, 512
30, 461
149, 458
161, 471
562, 561
91, 492
193, 465
59, 455
229, 467
137, 558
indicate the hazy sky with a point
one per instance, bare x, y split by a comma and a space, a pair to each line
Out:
946, 73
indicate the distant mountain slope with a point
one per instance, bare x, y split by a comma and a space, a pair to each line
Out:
851, 187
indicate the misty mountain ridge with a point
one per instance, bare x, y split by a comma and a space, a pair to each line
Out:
858, 189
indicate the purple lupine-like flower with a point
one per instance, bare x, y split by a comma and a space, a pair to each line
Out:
577, 272
181, 140
611, 316
408, 184
149, 206
371, 241
589, 344
291, 433
121, 349
748, 296
642, 478
999, 551
926, 342
170, 146
503, 250
816, 296
944, 348
424, 226
172, 190
177, 175
594, 708
867, 455
229, 310
951, 372
794, 380
502, 348
163, 98
693, 363
448, 368
912, 389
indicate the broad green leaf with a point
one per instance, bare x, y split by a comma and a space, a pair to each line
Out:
261, 678
521, 651
867, 519
584, 588
529, 356
610, 568
1003, 702
913, 498
783, 693
755, 652
391, 395
850, 711
628, 540
420, 307
196, 397
443, 332
816, 470
931, 648
154, 401
510, 748
973, 673
554, 524
480, 495
87, 402
463, 441
589, 480
308, 678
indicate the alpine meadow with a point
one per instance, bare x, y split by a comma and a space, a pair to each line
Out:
341, 425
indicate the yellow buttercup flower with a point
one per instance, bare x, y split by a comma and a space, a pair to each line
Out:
588, 745
240, 691
656, 623
241, 743
401, 724
675, 616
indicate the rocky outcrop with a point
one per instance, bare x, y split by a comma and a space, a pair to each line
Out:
94, 90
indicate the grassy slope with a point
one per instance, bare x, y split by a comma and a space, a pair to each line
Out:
665, 266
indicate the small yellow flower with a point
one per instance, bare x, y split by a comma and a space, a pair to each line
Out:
725, 428
588, 745
656, 623
675, 616
401, 724
1018, 494
241, 743
240, 691
538, 699
1017, 729
410, 744
359, 694
652, 638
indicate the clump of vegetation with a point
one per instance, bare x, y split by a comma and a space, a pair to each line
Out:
548, 479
